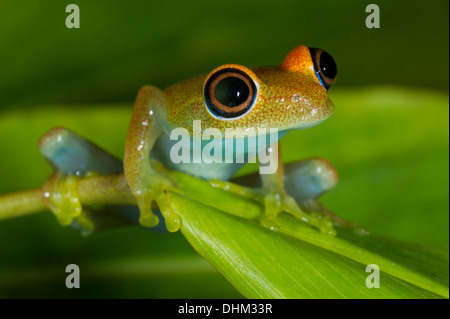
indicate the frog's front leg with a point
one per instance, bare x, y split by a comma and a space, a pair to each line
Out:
292, 189
277, 199
146, 183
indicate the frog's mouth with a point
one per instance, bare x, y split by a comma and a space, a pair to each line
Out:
315, 116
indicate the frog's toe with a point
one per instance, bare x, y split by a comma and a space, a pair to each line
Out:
147, 217
276, 203
252, 193
272, 209
171, 219
156, 193
60, 194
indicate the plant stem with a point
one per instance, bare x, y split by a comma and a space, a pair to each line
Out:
21, 203
104, 189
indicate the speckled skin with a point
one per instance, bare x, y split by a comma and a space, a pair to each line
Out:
288, 97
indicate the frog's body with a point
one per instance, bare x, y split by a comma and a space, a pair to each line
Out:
290, 96
288, 100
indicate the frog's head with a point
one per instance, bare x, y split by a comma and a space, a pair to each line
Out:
290, 96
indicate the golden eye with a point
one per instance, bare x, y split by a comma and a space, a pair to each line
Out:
324, 66
229, 93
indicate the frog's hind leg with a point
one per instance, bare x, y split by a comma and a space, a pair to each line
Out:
71, 154
309, 179
73, 157
303, 180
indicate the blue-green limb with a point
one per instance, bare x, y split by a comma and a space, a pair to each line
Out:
74, 157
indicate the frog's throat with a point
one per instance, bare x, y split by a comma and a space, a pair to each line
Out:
218, 158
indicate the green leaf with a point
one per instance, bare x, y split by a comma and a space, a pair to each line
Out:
389, 145
264, 264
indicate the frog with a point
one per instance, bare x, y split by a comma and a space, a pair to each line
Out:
290, 96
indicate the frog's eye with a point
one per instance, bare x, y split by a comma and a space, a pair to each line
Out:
324, 66
229, 93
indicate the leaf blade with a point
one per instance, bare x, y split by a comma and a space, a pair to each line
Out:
264, 264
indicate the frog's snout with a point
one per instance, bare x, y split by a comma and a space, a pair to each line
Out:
324, 112
329, 109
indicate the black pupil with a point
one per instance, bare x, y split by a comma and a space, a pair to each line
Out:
327, 65
231, 91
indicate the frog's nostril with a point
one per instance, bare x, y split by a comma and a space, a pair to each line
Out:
295, 98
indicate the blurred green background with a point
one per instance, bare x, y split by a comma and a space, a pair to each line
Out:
123, 45
46, 68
